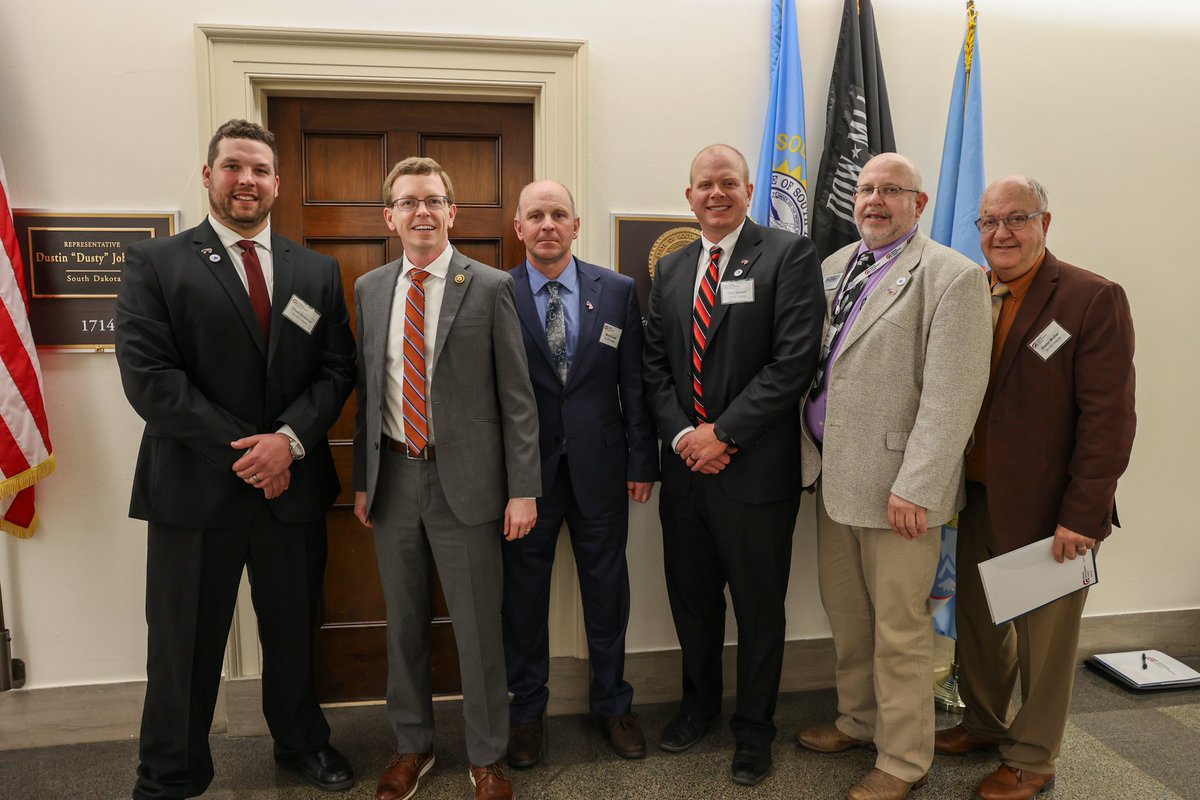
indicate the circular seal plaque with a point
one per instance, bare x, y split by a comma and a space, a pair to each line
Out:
669, 242
789, 203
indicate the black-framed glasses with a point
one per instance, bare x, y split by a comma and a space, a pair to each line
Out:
889, 191
1013, 223
435, 202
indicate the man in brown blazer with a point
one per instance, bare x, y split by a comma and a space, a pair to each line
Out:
903, 370
1052, 438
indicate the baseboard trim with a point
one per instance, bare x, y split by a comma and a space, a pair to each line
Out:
32, 718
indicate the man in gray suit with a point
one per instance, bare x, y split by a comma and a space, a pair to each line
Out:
445, 461
903, 369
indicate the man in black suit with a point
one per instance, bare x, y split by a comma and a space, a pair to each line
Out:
582, 329
234, 346
731, 346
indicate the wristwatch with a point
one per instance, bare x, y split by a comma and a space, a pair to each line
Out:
722, 436
293, 447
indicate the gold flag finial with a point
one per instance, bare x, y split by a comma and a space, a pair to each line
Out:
969, 44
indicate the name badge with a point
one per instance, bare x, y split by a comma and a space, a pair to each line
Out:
831, 281
611, 335
302, 314
1046, 343
733, 292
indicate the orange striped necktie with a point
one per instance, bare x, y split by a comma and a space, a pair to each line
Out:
416, 422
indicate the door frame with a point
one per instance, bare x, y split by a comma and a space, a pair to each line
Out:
239, 67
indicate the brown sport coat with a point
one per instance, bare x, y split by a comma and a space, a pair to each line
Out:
1061, 428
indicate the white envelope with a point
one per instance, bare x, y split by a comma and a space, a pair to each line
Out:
1028, 578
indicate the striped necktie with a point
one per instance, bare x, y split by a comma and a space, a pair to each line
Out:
701, 317
416, 423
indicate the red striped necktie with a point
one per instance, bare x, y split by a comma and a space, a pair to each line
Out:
416, 423
701, 317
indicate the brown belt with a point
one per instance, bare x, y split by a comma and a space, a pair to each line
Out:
428, 454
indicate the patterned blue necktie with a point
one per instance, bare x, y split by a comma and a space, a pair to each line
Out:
556, 330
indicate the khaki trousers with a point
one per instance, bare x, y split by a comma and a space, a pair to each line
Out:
875, 588
1040, 646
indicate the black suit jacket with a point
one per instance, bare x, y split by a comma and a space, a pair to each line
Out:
760, 359
601, 412
196, 368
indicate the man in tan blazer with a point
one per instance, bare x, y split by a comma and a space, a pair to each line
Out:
903, 370
1052, 438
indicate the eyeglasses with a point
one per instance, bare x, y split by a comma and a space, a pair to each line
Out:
432, 203
1013, 223
890, 192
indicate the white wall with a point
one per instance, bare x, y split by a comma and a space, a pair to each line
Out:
100, 112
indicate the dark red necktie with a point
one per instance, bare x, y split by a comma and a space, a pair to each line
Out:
701, 317
257, 286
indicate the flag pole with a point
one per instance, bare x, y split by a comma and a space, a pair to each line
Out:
12, 670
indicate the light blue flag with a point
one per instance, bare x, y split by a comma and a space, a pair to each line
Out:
960, 185
781, 184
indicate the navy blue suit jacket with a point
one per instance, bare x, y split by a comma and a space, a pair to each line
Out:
599, 420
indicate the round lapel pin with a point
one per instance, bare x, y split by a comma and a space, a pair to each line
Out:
901, 281
737, 273
460, 278
214, 258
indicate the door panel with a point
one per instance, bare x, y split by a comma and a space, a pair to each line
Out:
333, 157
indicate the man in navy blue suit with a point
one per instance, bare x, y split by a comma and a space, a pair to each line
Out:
583, 334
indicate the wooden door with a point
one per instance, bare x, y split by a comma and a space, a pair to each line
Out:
333, 157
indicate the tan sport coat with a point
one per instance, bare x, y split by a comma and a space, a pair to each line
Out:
905, 390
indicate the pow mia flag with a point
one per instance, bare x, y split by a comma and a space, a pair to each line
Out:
858, 125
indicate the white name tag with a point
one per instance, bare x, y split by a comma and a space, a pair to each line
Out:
737, 292
831, 281
611, 335
301, 313
1046, 343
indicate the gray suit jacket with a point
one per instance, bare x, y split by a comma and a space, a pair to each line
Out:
905, 390
482, 405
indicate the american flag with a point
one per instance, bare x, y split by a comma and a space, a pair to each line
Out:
26, 455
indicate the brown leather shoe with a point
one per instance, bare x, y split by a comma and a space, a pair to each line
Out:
525, 744
403, 775
958, 741
491, 783
1007, 783
828, 738
880, 785
624, 733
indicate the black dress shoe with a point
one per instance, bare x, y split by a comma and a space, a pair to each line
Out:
327, 768
751, 763
684, 731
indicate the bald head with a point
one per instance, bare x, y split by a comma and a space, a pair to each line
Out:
543, 187
720, 150
901, 166
1018, 184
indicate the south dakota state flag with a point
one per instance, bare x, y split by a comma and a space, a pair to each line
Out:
781, 184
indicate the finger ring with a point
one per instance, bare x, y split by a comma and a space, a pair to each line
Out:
255, 478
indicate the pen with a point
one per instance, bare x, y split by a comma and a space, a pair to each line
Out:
1143, 661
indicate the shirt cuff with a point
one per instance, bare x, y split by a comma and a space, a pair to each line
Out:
287, 431
678, 436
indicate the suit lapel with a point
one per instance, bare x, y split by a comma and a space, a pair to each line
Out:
898, 278
1040, 291
284, 276
589, 292
527, 312
378, 303
452, 297
206, 239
